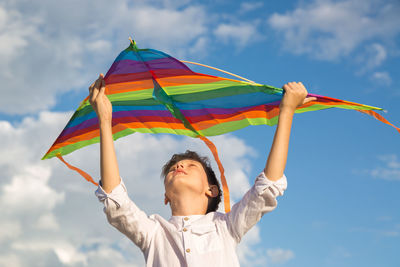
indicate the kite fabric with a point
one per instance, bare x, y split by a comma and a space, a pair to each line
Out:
152, 92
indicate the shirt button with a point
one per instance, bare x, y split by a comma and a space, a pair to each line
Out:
188, 250
186, 218
184, 229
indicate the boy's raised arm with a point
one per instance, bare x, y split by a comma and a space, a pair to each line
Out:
294, 96
108, 160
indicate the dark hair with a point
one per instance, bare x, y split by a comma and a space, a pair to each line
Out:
213, 202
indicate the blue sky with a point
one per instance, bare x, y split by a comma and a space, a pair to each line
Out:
341, 206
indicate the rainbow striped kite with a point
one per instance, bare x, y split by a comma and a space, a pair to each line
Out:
152, 92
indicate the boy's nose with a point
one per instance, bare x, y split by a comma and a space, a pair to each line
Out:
179, 166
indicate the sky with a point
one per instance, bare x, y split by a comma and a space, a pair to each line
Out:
343, 169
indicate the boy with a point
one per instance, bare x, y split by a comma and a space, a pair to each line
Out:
196, 235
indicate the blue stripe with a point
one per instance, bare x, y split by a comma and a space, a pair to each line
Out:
147, 55
92, 114
235, 101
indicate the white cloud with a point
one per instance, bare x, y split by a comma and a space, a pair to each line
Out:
329, 30
47, 222
49, 48
239, 34
10, 260
29, 192
377, 53
248, 252
390, 170
381, 77
178, 29
51, 215
250, 6
9, 230
279, 255
13, 33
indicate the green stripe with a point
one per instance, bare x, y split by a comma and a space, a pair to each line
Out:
190, 93
203, 87
231, 126
320, 107
132, 95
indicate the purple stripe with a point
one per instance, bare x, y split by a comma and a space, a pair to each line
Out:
221, 111
132, 66
83, 125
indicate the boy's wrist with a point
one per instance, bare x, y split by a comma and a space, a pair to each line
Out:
286, 110
104, 124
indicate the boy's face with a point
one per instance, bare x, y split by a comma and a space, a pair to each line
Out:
186, 176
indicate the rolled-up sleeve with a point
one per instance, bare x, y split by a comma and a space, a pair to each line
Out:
260, 199
123, 214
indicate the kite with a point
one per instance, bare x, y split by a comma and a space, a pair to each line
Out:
152, 92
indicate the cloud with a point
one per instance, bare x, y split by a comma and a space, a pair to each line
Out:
50, 214
250, 6
279, 255
9, 230
377, 54
49, 48
390, 170
329, 30
381, 77
239, 34
29, 192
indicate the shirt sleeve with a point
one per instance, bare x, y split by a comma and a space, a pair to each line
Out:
260, 199
123, 214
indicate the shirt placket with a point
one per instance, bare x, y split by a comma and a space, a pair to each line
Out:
187, 240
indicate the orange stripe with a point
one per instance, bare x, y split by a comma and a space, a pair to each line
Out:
117, 88
202, 125
186, 80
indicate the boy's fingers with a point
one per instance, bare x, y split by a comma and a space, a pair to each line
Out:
95, 92
103, 87
302, 85
91, 86
94, 88
309, 99
286, 87
98, 83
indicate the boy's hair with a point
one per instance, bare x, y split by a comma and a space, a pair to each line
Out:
211, 178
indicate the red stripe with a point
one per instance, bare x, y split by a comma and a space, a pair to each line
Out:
129, 77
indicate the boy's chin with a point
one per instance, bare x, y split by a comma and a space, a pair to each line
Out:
180, 186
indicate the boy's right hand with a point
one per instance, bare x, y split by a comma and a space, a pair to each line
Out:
99, 101
294, 96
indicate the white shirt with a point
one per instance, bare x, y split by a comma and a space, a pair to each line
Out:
198, 240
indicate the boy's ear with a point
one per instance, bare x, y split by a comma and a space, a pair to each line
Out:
212, 191
166, 200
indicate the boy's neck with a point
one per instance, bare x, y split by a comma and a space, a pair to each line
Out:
188, 204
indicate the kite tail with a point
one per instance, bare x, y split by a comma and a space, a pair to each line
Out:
379, 118
84, 174
225, 188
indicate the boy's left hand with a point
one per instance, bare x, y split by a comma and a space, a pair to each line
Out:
295, 95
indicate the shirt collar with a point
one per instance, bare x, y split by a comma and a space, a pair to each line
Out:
180, 220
